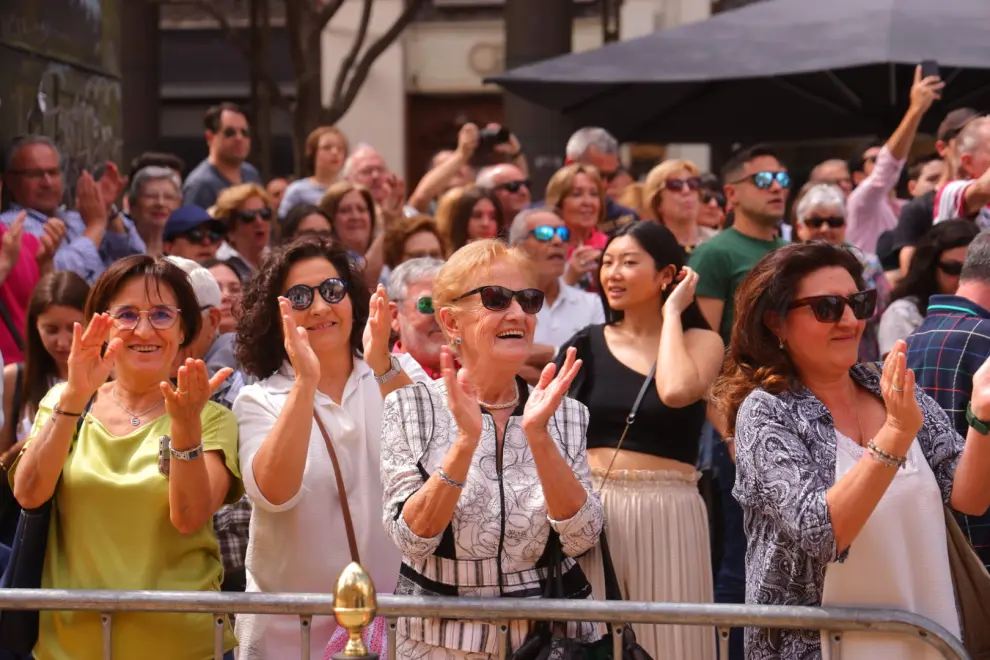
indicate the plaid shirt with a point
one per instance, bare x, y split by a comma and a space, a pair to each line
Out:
944, 352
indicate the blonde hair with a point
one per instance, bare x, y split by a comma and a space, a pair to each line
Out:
233, 198
465, 264
656, 181
562, 182
634, 197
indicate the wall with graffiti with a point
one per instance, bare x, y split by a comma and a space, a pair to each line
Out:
61, 77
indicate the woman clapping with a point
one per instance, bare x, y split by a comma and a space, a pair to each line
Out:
467, 462
161, 458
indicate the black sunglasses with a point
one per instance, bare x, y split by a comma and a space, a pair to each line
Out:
197, 235
677, 185
231, 132
248, 216
301, 296
763, 180
497, 298
514, 186
708, 195
816, 223
829, 309
951, 267
545, 233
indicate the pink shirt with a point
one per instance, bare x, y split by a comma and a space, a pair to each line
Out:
15, 294
869, 210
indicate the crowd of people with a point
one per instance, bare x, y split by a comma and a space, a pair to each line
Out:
222, 383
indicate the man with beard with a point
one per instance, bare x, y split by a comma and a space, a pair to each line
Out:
228, 137
410, 290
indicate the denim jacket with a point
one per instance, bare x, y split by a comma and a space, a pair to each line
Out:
785, 462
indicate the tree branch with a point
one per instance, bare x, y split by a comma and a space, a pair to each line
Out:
348, 62
374, 51
327, 12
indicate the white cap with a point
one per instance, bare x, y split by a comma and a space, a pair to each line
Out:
203, 283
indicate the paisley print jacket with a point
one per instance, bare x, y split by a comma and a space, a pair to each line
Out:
785, 461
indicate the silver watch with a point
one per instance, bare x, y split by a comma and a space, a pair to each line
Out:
396, 367
188, 455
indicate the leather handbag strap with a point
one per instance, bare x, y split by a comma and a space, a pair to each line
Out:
8, 321
630, 420
348, 523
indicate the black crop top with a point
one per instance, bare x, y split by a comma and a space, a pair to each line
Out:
609, 389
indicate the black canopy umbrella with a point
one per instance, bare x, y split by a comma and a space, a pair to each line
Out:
776, 70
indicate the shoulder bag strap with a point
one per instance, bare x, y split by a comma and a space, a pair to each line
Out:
17, 408
15, 334
630, 420
348, 524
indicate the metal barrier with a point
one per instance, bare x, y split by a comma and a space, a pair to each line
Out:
835, 621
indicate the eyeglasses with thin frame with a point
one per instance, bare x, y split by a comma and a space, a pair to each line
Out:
127, 318
301, 296
498, 298
829, 309
514, 186
952, 268
249, 216
764, 180
677, 185
545, 233
834, 222
422, 254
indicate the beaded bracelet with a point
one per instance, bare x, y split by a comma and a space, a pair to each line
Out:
444, 477
885, 458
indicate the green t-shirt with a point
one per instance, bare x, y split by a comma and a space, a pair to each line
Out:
111, 530
721, 263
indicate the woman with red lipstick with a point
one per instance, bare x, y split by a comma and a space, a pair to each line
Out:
247, 211
657, 349
469, 214
673, 193
577, 194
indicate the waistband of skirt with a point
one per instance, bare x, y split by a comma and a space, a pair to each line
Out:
657, 477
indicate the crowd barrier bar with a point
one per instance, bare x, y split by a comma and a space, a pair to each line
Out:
834, 620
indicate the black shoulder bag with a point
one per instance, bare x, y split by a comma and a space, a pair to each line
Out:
19, 628
540, 643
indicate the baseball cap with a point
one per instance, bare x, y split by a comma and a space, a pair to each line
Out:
954, 122
186, 218
203, 283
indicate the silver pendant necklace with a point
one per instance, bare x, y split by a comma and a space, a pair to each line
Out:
502, 406
135, 417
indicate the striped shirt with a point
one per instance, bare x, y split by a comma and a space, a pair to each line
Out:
945, 351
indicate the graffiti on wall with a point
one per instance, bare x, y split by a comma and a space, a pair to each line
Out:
61, 78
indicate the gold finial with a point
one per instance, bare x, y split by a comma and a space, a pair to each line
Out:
354, 606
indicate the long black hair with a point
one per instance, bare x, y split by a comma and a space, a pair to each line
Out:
920, 280
658, 242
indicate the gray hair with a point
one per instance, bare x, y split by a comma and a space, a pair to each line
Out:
26, 141
486, 177
348, 170
973, 135
586, 138
410, 272
520, 225
976, 267
820, 196
152, 173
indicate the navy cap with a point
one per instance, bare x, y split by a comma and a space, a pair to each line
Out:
185, 218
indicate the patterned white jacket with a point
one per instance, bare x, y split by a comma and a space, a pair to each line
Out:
497, 543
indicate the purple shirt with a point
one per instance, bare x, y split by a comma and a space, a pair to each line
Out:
869, 210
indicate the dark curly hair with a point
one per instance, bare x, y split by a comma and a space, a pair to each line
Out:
260, 346
921, 279
755, 359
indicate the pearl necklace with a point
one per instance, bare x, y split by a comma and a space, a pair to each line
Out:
502, 406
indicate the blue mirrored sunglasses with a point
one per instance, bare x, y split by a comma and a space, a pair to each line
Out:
545, 233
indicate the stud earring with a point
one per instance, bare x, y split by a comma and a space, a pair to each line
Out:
457, 340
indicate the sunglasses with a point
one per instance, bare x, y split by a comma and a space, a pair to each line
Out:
816, 223
197, 235
497, 298
545, 233
301, 296
707, 196
951, 267
231, 132
248, 216
513, 186
161, 317
763, 180
677, 185
829, 309
424, 305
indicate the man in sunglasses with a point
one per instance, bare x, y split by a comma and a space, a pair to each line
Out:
948, 348
228, 137
597, 147
410, 290
192, 234
510, 185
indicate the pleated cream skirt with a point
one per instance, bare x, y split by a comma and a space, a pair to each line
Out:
657, 529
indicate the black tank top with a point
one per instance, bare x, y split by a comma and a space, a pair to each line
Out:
609, 389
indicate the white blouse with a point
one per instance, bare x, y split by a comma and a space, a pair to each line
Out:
301, 545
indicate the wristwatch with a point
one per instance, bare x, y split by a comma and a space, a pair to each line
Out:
396, 367
975, 422
188, 455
